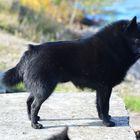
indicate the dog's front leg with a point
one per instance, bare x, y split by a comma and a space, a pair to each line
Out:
103, 96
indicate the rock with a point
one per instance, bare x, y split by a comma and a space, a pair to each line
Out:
135, 121
75, 110
135, 70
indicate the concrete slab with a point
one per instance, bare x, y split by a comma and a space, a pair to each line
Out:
76, 110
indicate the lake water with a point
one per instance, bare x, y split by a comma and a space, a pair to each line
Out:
120, 9
123, 9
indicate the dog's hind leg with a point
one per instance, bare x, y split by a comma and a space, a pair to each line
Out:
39, 97
29, 103
103, 96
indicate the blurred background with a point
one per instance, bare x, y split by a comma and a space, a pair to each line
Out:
37, 21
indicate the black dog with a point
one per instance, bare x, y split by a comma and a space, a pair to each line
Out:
99, 62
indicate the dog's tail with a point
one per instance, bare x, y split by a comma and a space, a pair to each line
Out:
15, 75
11, 77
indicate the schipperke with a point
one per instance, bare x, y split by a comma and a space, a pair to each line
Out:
99, 62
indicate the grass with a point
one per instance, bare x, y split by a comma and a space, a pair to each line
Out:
129, 92
67, 87
63, 88
132, 103
18, 88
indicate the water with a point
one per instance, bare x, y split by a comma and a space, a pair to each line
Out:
120, 9
123, 9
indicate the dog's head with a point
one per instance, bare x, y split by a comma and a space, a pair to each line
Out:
132, 32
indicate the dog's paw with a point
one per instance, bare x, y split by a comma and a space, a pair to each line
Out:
37, 126
101, 117
108, 123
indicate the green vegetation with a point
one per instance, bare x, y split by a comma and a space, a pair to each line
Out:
132, 103
66, 87
33, 25
45, 20
18, 88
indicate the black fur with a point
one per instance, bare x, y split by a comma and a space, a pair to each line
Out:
62, 136
99, 62
11, 77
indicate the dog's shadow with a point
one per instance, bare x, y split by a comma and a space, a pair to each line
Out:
120, 121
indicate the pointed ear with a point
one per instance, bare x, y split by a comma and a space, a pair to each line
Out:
132, 24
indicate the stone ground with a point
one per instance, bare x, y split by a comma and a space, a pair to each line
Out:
131, 87
135, 123
75, 110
